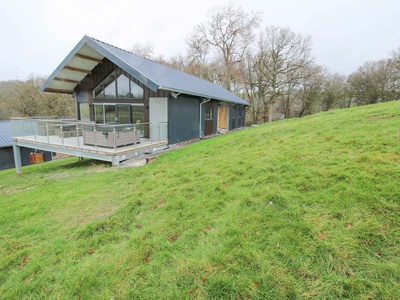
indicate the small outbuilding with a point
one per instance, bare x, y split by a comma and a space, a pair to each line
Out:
28, 155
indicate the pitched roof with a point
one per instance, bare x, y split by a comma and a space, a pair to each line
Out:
89, 52
5, 134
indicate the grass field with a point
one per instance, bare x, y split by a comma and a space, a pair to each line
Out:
298, 209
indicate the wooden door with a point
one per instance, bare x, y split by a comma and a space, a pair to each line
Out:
223, 112
209, 118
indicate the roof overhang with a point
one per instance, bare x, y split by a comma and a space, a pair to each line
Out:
80, 62
238, 101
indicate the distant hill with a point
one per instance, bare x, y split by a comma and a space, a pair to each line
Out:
296, 209
3, 84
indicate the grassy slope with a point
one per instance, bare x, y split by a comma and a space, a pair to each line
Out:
305, 208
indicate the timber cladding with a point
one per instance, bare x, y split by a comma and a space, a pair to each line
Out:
84, 90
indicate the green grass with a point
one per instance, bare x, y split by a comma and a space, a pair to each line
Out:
297, 209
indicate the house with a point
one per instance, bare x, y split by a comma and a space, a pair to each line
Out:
28, 155
129, 105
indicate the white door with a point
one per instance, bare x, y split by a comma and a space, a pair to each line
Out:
158, 113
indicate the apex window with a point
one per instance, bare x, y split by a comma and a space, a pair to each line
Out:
118, 86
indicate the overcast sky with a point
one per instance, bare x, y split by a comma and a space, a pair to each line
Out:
36, 35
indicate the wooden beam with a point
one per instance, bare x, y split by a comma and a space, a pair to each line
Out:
58, 91
88, 58
77, 70
67, 80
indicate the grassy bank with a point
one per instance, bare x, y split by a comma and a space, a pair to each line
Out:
297, 209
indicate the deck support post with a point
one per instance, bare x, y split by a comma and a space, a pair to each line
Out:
17, 157
115, 161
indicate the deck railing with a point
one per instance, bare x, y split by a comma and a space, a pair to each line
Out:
71, 132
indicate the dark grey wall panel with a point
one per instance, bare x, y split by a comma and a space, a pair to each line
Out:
7, 157
183, 119
215, 114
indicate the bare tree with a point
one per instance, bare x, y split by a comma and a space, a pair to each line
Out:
227, 34
145, 50
333, 92
310, 91
374, 81
283, 55
255, 89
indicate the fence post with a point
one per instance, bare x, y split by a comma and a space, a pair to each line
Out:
95, 135
47, 131
114, 138
62, 134
77, 134
17, 157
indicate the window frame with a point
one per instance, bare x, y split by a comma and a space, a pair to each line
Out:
116, 112
209, 113
116, 74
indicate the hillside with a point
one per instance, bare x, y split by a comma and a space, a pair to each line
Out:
297, 209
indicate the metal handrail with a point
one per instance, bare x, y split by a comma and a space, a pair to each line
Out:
59, 131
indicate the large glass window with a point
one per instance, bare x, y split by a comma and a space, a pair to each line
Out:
136, 91
110, 113
123, 86
99, 91
119, 113
123, 113
137, 113
117, 85
84, 111
110, 90
98, 113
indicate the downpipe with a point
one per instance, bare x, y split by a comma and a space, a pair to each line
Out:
201, 133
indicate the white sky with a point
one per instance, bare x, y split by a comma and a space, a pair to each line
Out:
36, 35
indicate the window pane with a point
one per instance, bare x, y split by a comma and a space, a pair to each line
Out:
136, 91
124, 114
84, 111
110, 113
110, 88
126, 88
99, 91
98, 113
123, 86
209, 113
138, 113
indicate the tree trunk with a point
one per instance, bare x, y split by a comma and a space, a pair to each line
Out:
270, 113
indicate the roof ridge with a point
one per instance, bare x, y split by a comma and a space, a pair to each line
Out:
125, 50
149, 59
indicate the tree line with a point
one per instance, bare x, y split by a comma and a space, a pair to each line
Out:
22, 99
272, 68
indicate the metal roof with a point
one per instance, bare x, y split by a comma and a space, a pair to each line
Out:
89, 52
5, 134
